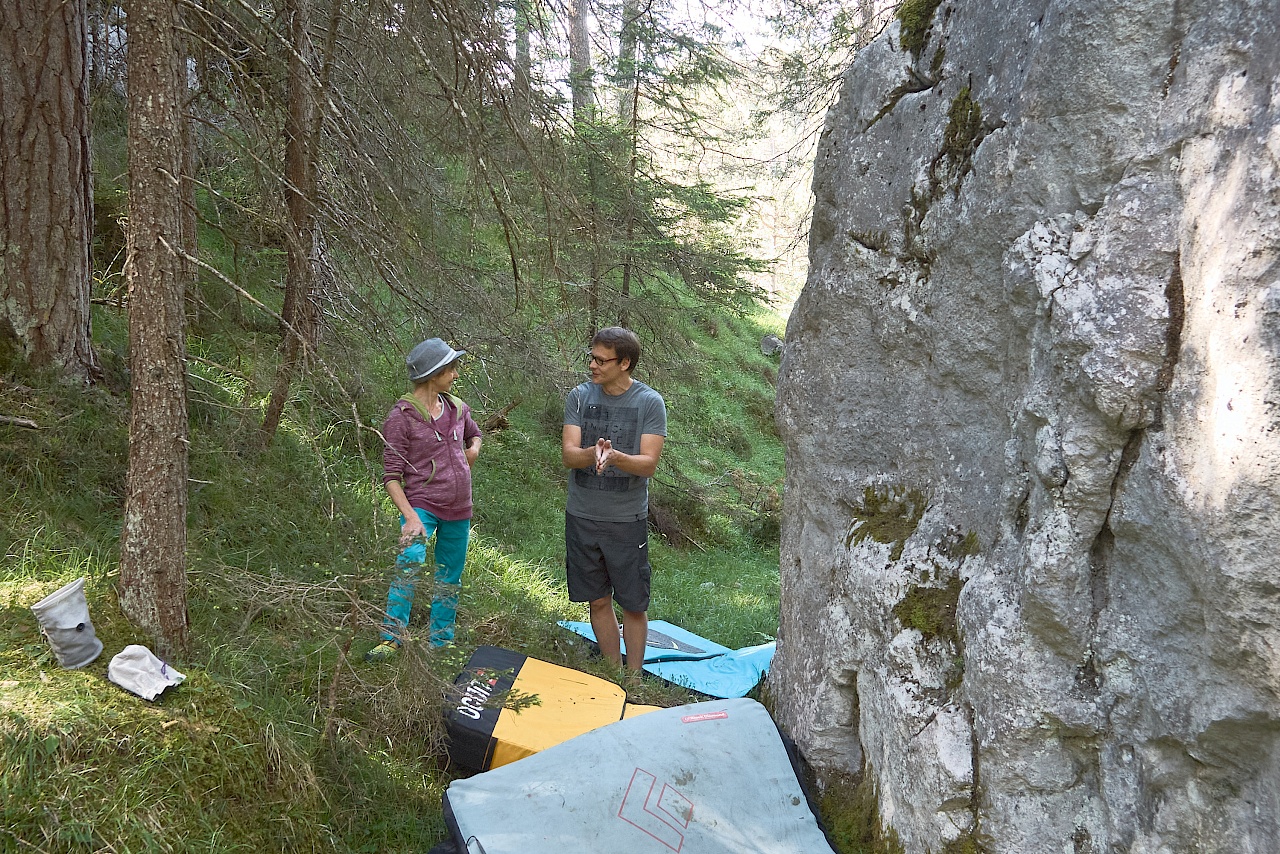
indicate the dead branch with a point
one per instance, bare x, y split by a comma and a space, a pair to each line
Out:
498, 420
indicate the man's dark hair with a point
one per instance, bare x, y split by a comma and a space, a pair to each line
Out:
623, 343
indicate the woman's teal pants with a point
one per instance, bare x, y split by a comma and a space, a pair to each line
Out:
451, 555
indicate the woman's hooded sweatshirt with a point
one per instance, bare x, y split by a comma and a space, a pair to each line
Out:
427, 455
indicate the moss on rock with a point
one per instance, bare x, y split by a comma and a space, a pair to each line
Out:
916, 17
964, 125
931, 610
886, 514
850, 808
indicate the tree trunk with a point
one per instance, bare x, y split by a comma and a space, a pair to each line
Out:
190, 223
581, 85
153, 576
300, 311
46, 200
584, 113
628, 43
628, 100
522, 96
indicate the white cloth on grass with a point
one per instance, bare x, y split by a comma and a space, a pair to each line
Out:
136, 668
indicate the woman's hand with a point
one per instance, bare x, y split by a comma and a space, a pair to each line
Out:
411, 528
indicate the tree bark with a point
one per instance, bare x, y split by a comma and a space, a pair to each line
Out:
628, 102
153, 576
189, 83
582, 88
300, 313
581, 85
46, 199
628, 48
522, 95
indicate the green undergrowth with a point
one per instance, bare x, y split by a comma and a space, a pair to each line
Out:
282, 738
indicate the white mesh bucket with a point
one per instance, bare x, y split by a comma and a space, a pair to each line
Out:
63, 616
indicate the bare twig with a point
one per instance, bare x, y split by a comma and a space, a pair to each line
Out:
352, 622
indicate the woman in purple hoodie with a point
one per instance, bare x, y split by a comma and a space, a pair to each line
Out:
431, 442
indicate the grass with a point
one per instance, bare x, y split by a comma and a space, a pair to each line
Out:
89, 766
281, 739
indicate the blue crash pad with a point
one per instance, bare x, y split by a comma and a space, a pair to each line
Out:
733, 674
685, 659
666, 642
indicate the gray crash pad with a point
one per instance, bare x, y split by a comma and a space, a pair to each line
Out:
706, 778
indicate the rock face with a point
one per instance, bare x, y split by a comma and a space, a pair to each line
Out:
1031, 404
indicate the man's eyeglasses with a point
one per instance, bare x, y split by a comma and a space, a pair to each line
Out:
593, 359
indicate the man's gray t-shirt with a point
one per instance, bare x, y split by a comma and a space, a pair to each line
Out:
614, 496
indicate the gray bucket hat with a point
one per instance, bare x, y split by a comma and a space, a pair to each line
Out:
430, 356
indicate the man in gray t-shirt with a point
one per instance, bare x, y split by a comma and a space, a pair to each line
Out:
614, 427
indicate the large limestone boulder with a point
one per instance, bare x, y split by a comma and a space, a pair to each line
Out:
1031, 404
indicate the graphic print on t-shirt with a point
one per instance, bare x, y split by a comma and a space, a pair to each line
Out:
621, 426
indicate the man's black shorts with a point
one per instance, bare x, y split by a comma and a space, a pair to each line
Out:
604, 558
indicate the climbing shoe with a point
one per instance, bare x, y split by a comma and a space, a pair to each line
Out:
384, 651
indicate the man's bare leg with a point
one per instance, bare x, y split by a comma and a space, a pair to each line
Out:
635, 631
604, 622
